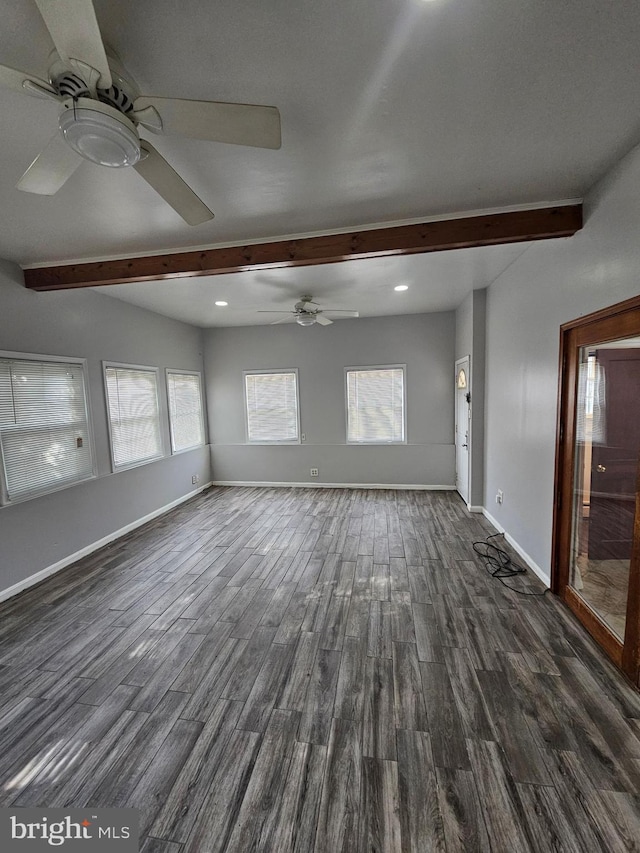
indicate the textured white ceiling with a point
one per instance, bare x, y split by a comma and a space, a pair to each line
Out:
436, 282
392, 110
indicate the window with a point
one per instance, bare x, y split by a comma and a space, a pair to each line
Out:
375, 404
45, 439
272, 406
591, 402
134, 417
185, 410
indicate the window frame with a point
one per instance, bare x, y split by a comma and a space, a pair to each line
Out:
362, 368
162, 454
5, 501
171, 370
268, 372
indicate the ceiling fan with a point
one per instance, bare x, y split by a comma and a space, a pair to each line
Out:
101, 110
304, 315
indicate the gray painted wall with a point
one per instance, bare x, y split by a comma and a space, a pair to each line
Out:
464, 327
478, 370
471, 340
425, 343
82, 324
551, 283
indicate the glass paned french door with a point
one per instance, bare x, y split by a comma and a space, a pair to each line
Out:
597, 517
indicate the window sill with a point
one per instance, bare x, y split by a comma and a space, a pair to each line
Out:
116, 469
187, 449
273, 443
376, 443
41, 494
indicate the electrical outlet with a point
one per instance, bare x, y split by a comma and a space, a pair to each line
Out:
195, 479
499, 497
303, 437
314, 472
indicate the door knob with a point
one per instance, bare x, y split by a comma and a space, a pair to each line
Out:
601, 468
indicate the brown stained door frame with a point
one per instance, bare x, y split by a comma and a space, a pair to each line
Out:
618, 321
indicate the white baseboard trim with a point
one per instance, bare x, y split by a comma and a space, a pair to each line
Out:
535, 568
311, 485
32, 580
479, 509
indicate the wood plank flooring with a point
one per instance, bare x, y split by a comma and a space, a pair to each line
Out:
316, 670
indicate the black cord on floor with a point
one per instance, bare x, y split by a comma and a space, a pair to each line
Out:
500, 565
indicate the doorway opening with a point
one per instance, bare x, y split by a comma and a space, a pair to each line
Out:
596, 537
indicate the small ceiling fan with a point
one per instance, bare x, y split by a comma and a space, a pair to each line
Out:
101, 110
304, 315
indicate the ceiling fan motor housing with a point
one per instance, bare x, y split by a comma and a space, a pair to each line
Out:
70, 84
99, 132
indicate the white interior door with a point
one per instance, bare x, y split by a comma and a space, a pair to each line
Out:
463, 414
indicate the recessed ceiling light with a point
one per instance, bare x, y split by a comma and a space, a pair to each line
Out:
401, 287
222, 304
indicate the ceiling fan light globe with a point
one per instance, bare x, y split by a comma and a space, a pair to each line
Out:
305, 319
100, 134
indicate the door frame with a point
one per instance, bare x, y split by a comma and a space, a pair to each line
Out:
458, 362
609, 324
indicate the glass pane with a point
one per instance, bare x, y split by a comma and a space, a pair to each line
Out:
185, 410
272, 406
607, 454
133, 412
375, 405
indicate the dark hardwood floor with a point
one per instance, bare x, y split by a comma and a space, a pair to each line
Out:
316, 670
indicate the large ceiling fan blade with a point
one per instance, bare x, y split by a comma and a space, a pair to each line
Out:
324, 321
20, 81
238, 124
282, 320
341, 311
168, 183
51, 168
275, 312
76, 35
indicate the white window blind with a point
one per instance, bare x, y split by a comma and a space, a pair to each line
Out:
185, 410
272, 406
134, 417
591, 403
44, 426
375, 405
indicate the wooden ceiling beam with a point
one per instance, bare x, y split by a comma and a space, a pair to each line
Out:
442, 235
